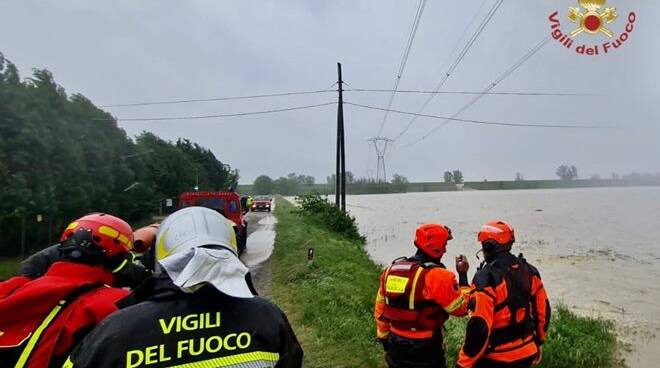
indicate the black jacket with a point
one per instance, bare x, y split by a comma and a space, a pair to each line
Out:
168, 327
130, 275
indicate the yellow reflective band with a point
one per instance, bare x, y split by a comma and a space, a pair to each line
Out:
68, 363
72, 225
25, 355
233, 360
124, 239
455, 304
396, 284
161, 252
106, 230
411, 302
121, 265
382, 334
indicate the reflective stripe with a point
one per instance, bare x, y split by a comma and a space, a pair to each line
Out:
382, 334
455, 304
256, 356
121, 265
411, 302
68, 363
25, 355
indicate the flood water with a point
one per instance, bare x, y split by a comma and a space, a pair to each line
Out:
597, 249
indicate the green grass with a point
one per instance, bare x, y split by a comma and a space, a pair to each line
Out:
8, 267
330, 304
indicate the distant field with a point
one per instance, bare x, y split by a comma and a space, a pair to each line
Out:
490, 185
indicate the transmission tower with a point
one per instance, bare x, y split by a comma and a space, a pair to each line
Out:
380, 145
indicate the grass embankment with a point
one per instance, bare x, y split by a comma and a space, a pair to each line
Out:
8, 267
330, 304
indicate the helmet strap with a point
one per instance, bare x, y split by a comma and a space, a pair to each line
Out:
491, 249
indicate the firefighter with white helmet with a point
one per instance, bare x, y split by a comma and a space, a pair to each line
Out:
199, 310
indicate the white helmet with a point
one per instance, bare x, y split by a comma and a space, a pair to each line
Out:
183, 252
194, 227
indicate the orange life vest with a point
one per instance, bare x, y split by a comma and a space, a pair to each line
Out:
405, 305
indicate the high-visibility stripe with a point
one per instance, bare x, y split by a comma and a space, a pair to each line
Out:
25, 355
255, 356
455, 304
68, 363
121, 265
411, 302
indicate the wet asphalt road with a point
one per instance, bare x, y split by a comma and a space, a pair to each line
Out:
261, 238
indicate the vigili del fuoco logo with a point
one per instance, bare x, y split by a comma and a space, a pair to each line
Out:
592, 18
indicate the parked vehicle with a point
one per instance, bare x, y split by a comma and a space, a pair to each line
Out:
262, 203
227, 204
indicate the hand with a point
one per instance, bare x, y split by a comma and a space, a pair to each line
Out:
539, 356
462, 264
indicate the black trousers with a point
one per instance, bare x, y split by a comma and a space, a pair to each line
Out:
402, 352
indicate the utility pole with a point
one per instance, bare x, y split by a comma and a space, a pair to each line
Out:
340, 118
340, 172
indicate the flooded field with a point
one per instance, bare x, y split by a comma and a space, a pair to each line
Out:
597, 249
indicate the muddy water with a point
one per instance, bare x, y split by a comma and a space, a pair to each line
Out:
598, 250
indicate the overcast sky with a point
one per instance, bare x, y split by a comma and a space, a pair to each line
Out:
126, 51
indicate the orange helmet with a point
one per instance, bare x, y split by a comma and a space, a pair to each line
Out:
432, 239
498, 231
111, 235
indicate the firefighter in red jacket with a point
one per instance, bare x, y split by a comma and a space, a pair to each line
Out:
42, 320
509, 308
416, 296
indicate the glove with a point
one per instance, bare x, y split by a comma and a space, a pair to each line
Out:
462, 264
128, 273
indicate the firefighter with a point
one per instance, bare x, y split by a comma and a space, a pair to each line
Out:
42, 319
131, 274
250, 201
415, 297
509, 308
199, 311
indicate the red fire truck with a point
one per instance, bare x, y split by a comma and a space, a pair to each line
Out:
227, 204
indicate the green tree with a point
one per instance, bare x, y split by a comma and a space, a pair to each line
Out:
566, 172
62, 157
400, 183
263, 184
457, 176
449, 177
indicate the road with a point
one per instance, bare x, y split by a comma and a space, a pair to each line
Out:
260, 242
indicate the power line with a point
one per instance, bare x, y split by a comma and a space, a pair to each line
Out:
404, 58
470, 92
222, 115
484, 122
488, 88
457, 62
229, 98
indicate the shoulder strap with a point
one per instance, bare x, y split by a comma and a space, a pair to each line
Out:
36, 335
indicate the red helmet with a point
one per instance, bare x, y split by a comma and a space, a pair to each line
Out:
498, 231
112, 235
432, 239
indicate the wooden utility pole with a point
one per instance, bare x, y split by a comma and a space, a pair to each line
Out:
340, 117
340, 175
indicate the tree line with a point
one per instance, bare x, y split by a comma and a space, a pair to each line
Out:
61, 157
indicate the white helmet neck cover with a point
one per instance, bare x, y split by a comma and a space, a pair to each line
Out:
182, 251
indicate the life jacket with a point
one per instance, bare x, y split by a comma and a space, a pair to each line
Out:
405, 306
29, 309
518, 278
